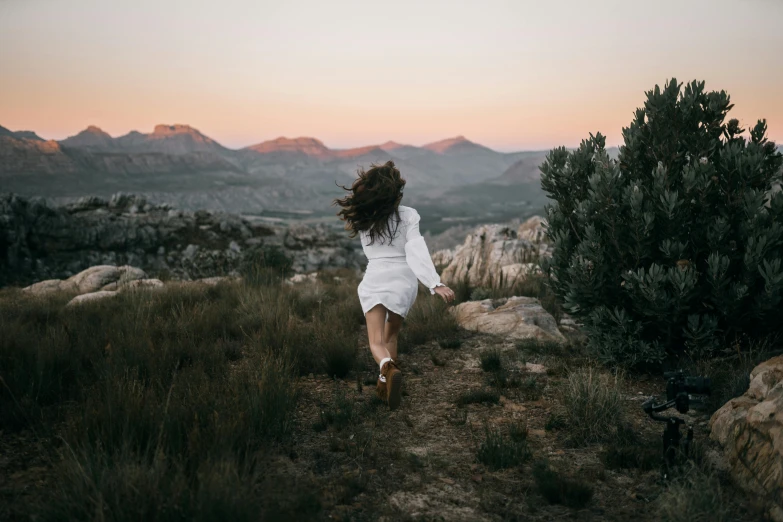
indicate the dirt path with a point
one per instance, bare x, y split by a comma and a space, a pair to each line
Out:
419, 463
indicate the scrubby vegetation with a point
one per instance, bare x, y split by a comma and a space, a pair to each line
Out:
167, 404
676, 247
254, 400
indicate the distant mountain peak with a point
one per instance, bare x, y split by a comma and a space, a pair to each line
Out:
443, 146
302, 144
392, 145
91, 137
177, 128
21, 135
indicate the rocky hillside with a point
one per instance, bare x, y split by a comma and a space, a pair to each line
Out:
40, 242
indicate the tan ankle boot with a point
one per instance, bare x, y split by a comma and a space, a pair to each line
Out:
380, 390
393, 384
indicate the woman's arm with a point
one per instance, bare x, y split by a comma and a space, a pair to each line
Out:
418, 255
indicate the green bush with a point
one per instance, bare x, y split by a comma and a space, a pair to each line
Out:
677, 245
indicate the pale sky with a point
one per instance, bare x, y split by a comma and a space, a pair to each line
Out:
510, 74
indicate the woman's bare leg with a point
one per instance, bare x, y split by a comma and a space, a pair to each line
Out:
390, 381
376, 320
393, 325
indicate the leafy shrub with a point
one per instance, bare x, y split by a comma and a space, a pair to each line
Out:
676, 246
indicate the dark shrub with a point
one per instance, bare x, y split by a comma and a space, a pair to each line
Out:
675, 247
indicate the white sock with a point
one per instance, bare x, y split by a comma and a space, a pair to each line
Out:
383, 361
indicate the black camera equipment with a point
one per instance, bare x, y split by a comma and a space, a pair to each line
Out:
679, 388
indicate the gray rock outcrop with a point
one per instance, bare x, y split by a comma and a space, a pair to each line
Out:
750, 430
514, 317
43, 242
496, 255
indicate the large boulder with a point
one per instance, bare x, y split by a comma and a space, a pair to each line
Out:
514, 317
101, 277
750, 430
494, 256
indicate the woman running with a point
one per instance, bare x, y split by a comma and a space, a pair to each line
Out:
397, 256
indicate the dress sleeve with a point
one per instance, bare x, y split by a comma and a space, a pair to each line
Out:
417, 254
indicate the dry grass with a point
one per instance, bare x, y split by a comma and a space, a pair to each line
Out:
427, 320
592, 406
697, 495
167, 403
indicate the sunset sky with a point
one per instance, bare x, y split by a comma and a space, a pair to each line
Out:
510, 74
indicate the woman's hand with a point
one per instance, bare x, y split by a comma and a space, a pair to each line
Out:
445, 292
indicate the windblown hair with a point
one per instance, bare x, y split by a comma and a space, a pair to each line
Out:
373, 198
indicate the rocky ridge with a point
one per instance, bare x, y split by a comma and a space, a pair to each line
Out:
40, 242
495, 255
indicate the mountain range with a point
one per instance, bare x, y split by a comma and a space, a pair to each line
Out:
178, 163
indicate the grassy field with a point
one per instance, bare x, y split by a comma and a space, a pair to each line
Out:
256, 402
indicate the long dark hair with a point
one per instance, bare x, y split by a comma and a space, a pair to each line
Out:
373, 198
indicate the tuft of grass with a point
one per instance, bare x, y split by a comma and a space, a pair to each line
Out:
491, 360
451, 343
339, 413
501, 451
697, 495
555, 421
534, 346
479, 294
730, 376
427, 320
557, 489
643, 457
531, 388
593, 406
478, 397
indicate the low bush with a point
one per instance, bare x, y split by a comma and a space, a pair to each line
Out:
478, 397
500, 451
592, 406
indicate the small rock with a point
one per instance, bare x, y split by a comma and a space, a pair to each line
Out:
535, 368
91, 297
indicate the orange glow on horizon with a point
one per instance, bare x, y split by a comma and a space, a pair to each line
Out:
507, 75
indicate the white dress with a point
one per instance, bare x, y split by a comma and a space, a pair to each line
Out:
394, 266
